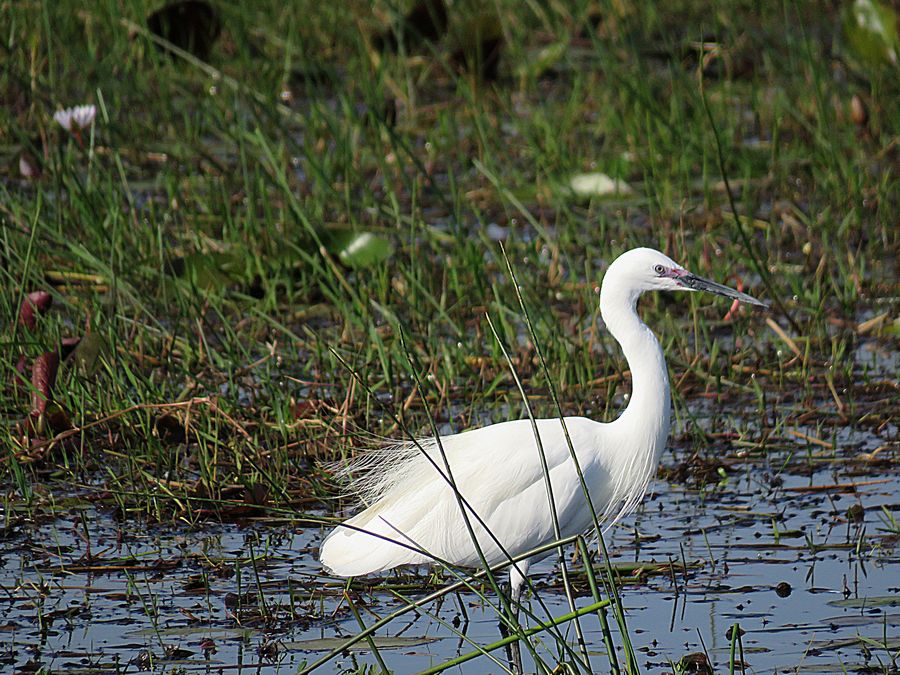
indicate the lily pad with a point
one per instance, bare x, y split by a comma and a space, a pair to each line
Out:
862, 620
842, 643
598, 184
214, 269
425, 22
871, 31
543, 60
358, 249
191, 25
187, 631
478, 43
873, 601
87, 354
329, 643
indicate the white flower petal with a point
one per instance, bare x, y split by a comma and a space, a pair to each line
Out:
81, 116
64, 118
84, 115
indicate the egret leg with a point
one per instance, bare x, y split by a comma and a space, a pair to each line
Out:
518, 573
513, 649
517, 576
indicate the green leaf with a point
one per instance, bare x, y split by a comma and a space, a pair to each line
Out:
358, 249
86, 356
871, 31
216, 269
542, 61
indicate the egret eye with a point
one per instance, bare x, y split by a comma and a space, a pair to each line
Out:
659, 269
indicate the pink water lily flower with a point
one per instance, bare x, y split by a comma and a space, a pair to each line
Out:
76, 118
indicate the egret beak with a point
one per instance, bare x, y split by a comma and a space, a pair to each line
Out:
694, 283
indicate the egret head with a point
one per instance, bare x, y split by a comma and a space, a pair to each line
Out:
644, 269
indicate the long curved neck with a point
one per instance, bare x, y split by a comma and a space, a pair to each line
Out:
648, 407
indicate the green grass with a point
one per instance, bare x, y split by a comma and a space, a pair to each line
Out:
192, 235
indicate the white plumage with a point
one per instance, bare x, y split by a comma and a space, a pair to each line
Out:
497, 469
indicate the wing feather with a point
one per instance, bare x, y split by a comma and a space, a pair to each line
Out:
498, 471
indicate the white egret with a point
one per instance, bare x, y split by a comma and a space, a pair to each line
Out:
412, 511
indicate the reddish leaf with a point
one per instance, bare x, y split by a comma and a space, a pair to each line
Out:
304, 409
170, 429
43, 377
68, 346
19, 375
732, 310
735, 306
56, 419
256, 495
36, 302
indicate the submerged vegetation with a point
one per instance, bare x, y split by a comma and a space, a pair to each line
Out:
276, 238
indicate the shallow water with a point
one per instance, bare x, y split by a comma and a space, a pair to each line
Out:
153, 597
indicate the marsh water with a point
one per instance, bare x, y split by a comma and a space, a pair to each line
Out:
795, 545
